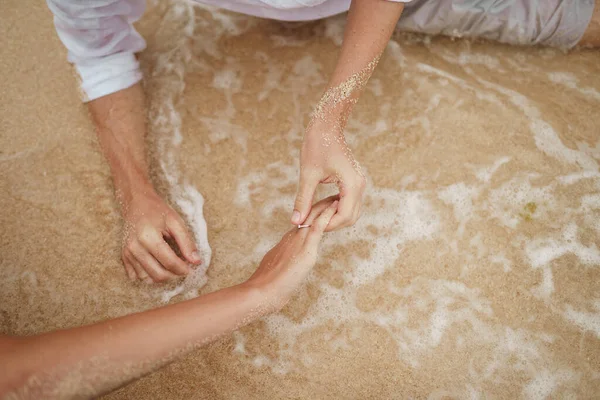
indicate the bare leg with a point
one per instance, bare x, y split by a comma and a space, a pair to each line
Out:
591, 37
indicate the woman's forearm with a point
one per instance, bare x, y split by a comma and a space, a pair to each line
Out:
94, 359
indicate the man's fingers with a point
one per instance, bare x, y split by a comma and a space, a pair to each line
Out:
139, 270
319, 207
151, 265
319, 224
129, 269
165, 255
344, 215
304, 198
349, 208
184, 239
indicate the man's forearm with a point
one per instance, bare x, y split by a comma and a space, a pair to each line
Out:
120, 120
369, 27
91, 360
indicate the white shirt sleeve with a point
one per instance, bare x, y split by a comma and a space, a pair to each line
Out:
101, 42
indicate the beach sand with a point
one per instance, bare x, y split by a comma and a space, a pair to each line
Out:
473, 272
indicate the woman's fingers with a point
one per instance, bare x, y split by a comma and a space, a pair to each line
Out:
319, 207
318, 226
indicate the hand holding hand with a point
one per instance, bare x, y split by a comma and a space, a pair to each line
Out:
326, 158
287, 264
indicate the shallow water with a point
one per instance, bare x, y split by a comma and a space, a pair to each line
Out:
473, 271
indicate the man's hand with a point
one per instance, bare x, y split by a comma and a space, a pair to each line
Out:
146, 255
326, 158
120, 124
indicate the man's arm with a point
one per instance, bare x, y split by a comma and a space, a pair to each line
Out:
91, 360
325, 156
120, 120
101, 42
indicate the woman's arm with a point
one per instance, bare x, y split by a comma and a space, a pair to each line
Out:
91, 360
325, 156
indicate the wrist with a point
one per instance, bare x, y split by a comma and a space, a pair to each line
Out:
329, 119
132, 192
263, 296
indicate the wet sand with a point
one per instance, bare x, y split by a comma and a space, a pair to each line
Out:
473, 271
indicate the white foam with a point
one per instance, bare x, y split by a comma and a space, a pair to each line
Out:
334, 29
492, 63
546, 138
167, 123
588, 321
541, 252
546, 382
508, 202
575, 177
569, 80
240, 342
461, 197
502, 260
485, 174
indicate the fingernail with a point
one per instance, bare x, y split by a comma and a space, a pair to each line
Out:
195, 256
296, 217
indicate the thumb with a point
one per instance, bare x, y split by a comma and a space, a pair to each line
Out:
304, 198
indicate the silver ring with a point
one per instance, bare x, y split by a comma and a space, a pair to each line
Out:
303, 226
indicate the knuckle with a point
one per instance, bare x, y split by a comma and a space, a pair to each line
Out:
345, 217
130, 248
125, 252
145, 234
172, 219
175, 266
316, 228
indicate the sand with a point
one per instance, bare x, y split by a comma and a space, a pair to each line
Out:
473, 271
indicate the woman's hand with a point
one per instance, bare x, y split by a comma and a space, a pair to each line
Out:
286, 265
146, 255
